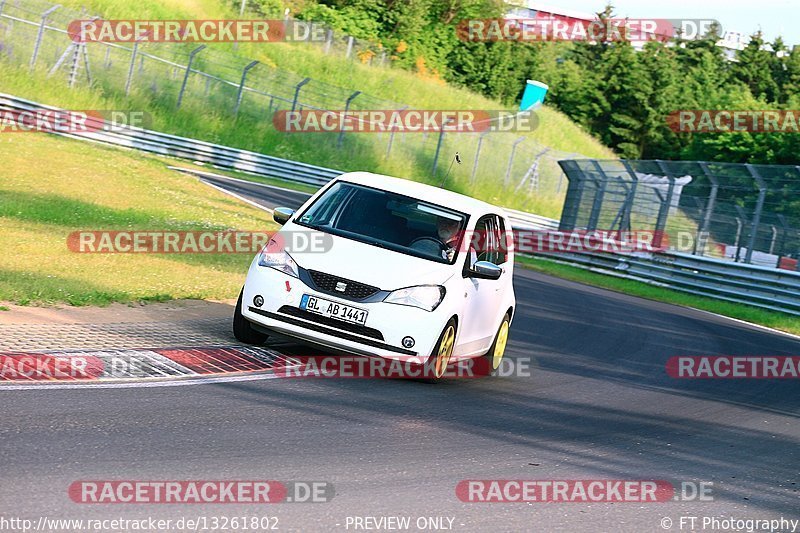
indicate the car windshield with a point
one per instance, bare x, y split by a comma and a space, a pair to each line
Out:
388, 220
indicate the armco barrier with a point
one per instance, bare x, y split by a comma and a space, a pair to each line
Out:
777, 290
766, 288
184, 148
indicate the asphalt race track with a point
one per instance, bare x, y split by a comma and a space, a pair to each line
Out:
598, 404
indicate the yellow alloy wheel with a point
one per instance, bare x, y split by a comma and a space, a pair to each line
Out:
445, 351
500, 345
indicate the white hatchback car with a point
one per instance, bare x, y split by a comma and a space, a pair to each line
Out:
401, 274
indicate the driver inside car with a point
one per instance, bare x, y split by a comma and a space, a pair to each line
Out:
447, 229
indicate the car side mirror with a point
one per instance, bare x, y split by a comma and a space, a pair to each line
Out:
485, 270
281, 215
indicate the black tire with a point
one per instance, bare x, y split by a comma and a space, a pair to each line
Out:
436, 366
242, 329
493, 360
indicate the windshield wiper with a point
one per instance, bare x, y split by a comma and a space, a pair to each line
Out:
311, 226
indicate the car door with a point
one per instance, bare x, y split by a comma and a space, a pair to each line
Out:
483, 297
505, 260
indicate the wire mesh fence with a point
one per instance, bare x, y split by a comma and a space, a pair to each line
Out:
745, 213
216, 83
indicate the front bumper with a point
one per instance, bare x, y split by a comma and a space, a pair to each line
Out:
382, 335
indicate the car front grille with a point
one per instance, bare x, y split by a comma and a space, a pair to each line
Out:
352, 289
331, 322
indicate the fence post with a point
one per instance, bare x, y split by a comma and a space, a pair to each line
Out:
61, 59
344, 118
663, 213
599, 196
625, 221
245, 70
785, 230
774, 238
131, 67
80, 50
439, 147
477, 157
391, 135
572, 202
297, 92
186, 75
40, 34
86, 64
73, 71
561, 176
532, 175
511, 160
740, 220
702, 232
242, 8
328, 41
349, 46
762, 194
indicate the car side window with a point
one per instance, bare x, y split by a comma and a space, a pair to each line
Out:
482, 233
487, 243
490, 231
502, 240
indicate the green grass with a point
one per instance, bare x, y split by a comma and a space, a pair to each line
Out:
53, 186
206, 112
780, 321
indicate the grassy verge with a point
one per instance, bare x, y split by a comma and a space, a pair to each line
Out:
207, 110
53, 186
771, 319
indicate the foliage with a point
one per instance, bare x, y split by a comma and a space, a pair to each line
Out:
620, 95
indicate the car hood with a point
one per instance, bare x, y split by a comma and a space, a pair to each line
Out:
365, 263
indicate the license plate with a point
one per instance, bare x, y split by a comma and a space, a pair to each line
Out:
324, 307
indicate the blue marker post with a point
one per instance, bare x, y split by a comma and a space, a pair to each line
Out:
534, 94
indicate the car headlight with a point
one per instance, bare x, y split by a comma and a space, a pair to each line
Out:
426, 297
278, 259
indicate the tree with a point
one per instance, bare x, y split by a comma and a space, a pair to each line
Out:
624, 122
790, 81
755, 67
668, 96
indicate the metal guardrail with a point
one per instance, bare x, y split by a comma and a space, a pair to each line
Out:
766, 288
523, 220
185, 148
761, 287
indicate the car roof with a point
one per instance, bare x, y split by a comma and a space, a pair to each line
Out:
422, 191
